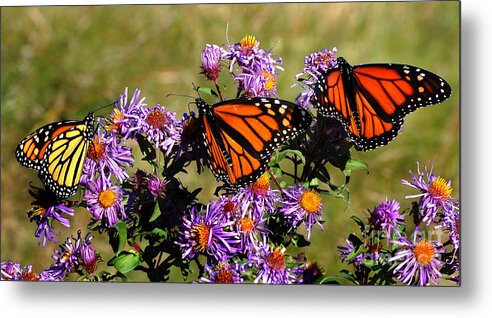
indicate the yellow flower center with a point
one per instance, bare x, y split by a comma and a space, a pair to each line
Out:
310, 201
38, 210
270, 84
29, 276
107, 198
157, 119
229, 208
66, 257
262, 185
440, 189
115, 123
424, 252
200, 234
96, 149
246, 225
248, 43
224, 274
322, 59
276, 259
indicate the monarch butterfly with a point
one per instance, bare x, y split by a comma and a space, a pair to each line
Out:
58, 151
371, 100
240, 135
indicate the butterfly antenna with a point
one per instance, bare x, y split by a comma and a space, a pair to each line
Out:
97, 109
274, 45
227, 33
182, 95
190, 103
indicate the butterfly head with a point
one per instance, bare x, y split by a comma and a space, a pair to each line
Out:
341, 61
203, 107
344, 66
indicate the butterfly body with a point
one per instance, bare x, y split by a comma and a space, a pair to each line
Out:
240, 135
371, 100
58, 151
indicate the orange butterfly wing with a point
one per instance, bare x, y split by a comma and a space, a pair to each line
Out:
372, 100
242, 134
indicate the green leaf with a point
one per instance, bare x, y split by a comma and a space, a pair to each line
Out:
118, 237
126, 261
122, 235
360, 223
299, 241
354, 164
157, 212
314, 183
280, 155
277, 172
146, 148
355, 240
369, 263
155, 231
332, 279
206, 91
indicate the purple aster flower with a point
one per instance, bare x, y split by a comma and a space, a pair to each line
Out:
345, 251
52, 275
229, 207
419, 261
260, 196
156, 186
257, 67
249, 57
252, 230
11, 270
88, 255
304, 98
302, 205
386, 217
14, 271
243, 53
435, 194
106, 154
223, 273
314, 65
45, 209
211, 57
319, 62
104, 201
125, 117
258, 84
161, 127
450, 223
68, 258
270, 262
206, 232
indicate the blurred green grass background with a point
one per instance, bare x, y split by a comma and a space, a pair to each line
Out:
61, 62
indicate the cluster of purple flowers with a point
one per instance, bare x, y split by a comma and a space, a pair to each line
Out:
112, 194
74, 255
255, 70
236, 226
314, 65
416, 260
